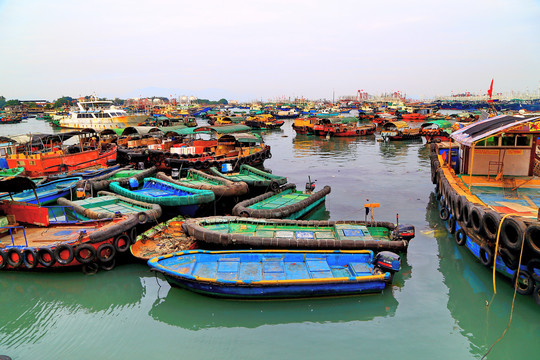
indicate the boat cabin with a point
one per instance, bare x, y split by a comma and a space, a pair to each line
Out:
500, 146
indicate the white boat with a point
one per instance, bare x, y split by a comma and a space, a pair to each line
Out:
99, 115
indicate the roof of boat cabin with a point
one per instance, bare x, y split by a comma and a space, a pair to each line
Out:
482, 129
223, 129
397, 124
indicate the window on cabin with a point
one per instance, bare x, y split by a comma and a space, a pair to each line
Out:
491, 141
2, 152
508, 140
523, 140
80, 116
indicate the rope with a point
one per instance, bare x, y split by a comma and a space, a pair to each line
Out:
515, 290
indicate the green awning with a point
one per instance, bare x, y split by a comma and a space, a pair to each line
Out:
223, 129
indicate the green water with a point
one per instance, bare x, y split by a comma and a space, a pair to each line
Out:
436, 308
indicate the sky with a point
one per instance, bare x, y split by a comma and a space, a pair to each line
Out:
259, 49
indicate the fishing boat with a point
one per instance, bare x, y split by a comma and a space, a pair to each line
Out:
162, 239
264, 274
87, 173
175, 199
47, 154
254, 177
285, 203
45, 193
36, 239
306, 234
99, 115
263, 121
436, 130
18, 171
121, 175
488, 195
109, 205
304, 125
399, 130
220, 186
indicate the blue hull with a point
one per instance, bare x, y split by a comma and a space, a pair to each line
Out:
264, 274
47, 193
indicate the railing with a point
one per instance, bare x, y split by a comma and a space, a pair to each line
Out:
11, 229
62, 214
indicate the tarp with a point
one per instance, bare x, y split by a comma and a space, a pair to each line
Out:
395, 124
437, 124
485, 128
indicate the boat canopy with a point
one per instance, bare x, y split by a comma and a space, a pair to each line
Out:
177, 130
16, 184
485, 128
139, 130
437, 124
223, 129
241, 137
396, 124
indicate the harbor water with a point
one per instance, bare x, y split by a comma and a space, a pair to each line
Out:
436, 308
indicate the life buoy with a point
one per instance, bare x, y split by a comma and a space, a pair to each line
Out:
512, 233
105, 252
486, 255
2, 260
30, 258
523, 282
509, 259
460, 237
14, 257
491, 221
121, 243
85, 253
444, 213
45, 257
533, 267
477, 219
59, 253
532, 236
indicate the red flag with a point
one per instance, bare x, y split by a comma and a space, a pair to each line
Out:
490, 91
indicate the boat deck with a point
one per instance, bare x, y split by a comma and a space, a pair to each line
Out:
270, 267
39, 236
110, 204
508, 195
337, 232
280, 200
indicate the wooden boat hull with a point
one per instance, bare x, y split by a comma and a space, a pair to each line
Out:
232, 231
264, 274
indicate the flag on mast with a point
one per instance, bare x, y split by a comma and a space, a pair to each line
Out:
490, 91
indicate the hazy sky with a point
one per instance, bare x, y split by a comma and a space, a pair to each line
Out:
266, 49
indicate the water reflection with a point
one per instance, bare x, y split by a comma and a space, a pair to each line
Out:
308, 145
470, 289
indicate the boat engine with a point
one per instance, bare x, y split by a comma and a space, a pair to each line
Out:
405, 232
310, 186
387, 261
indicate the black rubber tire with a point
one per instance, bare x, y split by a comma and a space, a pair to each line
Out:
90, 268
452, 225
531, 266
90, 249
492, 220
532, 237
486, 256
274, 186
466, 213
104, 247
109, 265
444, 214
40, 254
10, 261
27, 263
477, 219
197, 164
142, 217
512, 233
244, 213
460, 200
133, 235
526, 286
59, 249
2, 260
536, 294
461, 237
122, 243
509, 259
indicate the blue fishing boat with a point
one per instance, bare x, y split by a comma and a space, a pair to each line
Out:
174, 198
260, 274
46, 193
86, 174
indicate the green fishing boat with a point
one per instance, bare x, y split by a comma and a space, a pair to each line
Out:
121, 176
285, 203
199, 180
110, 205
234, 231
12, 172
254, 177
